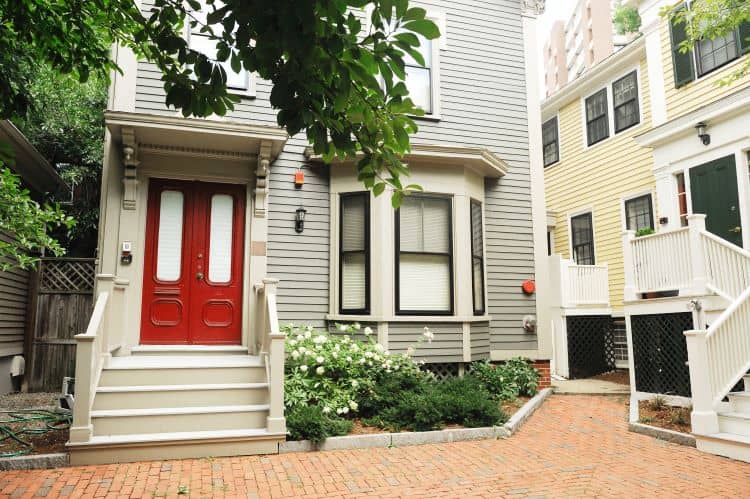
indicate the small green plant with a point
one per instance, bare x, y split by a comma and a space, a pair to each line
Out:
679, 416
182, 490
657, 403
311, 423
509, 380
626, 19
646, 420
644, 232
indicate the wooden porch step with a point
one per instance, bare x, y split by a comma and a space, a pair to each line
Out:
155, 396
188, 350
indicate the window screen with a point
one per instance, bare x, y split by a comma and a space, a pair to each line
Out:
477, 257
597, 121
424, 256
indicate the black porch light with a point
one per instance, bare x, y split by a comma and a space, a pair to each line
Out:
299, 220
702, 133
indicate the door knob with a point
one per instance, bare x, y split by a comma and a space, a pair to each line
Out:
199, 276
736, 230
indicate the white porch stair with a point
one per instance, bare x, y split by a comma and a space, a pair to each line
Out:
733, 438
178, 404
175, 402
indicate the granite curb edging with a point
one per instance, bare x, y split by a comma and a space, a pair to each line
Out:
672, 436
381, 440
34, 462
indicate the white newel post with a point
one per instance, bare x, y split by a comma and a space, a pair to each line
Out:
276, 423
81, 429
630, 291
704, 419
697, 225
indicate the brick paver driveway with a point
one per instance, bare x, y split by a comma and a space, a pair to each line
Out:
574, 446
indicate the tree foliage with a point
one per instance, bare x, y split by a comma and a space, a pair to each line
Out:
326, 60
65, 122
626, 19
23, 221
708, 19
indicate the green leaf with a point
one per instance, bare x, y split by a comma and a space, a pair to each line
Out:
378, 188
414, 14
424, 27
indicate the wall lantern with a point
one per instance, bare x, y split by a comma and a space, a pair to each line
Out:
702, 134
299, 220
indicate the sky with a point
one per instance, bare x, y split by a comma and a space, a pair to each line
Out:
555, 9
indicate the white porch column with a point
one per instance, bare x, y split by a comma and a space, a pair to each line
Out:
704, 419
696, 225
630, 291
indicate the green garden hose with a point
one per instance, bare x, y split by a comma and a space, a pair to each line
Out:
30, 419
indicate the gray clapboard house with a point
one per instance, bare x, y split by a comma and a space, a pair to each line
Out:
203, 251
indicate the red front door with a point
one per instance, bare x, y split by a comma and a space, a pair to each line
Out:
192, 284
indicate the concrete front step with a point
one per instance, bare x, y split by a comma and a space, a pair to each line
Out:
203, 395
174, 445
203, 350
739, 401
725, 444
736, 423
178, 419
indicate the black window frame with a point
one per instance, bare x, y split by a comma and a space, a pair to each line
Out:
574, 245
365, 195
480, 257
630, 201
551, 122
635, 100
590, 120
397, 260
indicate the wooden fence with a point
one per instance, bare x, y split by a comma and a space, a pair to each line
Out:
62, 295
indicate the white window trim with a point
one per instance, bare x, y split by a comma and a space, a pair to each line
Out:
437, 16
249, 93
611, 107
573, 214
634, 195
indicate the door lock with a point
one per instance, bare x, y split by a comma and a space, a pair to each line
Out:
736, 230
199, 276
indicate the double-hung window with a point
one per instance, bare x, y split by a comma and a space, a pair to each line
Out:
202, 42
625, 102
477, 257
550, 142
639, 213
714, 53
424, 256
419, 78
582, 239
597, 120
354, 254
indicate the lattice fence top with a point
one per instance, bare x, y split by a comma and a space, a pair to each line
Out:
67, 275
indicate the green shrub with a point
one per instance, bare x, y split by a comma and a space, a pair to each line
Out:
414, 410
646, 231
308, 422
508, 380
389, 388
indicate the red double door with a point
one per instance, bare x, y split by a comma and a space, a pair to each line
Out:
192, 284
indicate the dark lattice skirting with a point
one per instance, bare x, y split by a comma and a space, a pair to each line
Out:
591, 346
442, 370
660, 353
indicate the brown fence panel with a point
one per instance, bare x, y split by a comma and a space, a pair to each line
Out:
63, 307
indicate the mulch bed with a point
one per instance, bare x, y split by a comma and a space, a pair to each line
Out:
29, 425
664, 416
619, 376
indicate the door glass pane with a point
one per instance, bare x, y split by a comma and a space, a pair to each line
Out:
220, 239
169, 243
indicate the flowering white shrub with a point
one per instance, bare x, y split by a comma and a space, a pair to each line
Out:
333, 371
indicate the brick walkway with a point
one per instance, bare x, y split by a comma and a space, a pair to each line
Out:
574, 446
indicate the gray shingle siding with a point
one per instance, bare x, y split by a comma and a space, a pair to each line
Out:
482, 103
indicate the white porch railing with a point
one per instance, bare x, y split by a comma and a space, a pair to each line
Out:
718, 357
270, 343
581, 285
727, 266
93, 350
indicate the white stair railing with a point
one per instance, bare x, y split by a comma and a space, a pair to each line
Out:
585, 285
727, 266
718, 358
271, 343
662, 261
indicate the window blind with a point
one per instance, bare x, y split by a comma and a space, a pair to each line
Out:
424, 255
354, 254
477, 257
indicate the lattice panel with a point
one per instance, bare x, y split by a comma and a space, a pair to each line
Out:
591, 345
67, 275
442, 370
660, 353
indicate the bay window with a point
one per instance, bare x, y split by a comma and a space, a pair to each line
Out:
354, 254
477, 258
424, 256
